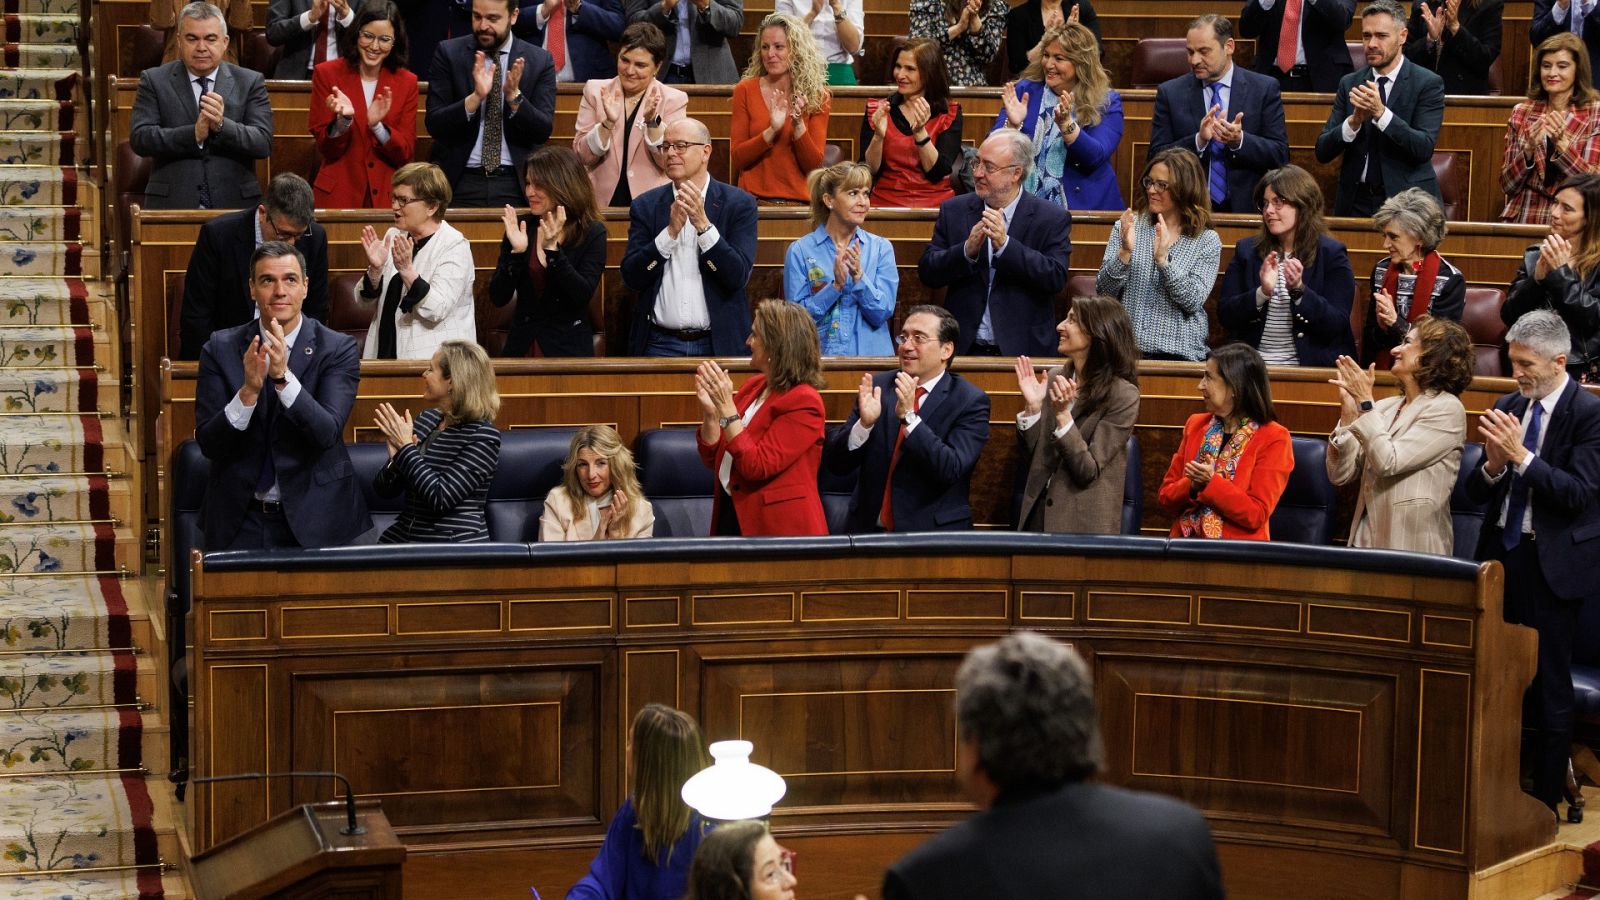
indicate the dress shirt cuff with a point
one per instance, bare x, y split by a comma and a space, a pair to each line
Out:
1025, 421
539, 17
1346, 132
1522, 467
1059, 432
1494, 479
995, 254
289, 392
912, 420
655, 144
339, 126
665, 243
1266, 4
380, 133
707, 239
1199, 145
348, 17
1385, 119
1262, 297
306, 22
238, 414
593, 140
1239, 146
414, 294
858, 435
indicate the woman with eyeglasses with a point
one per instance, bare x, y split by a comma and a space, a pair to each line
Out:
1161, 259
741, 861
363, 112
844, 275
1288, 290
780, 112
419, 273
622, 121
1065, 103
911, 140
1413, 280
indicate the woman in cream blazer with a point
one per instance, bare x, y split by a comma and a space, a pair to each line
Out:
622, 120
598, 498
1406, 449
419, 273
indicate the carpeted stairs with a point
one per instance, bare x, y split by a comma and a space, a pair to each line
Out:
77, 741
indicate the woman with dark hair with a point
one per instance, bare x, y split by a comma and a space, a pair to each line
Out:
363, 112
1413, 280
1076, 474
554, 271
444, 460
598, 498
968, 33
764, 443
1458, 39
1288, 290
1552, 135
622, 121
1065, 103
844, 275
652, 840
912, 139
780, 112
1406, 449
1562, 274
741, 861
1235, 458
1161, 259
1027, 22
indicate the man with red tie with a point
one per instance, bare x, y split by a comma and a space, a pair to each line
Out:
1300, 42
915, 435
308, 31
576, 34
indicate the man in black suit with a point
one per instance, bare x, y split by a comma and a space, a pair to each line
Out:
1232, 119
430, 23
914, 466
1385, 119
1003, 254
308, 31
491, 101
270, 406
1028, 747
216, 288
1540, 479
1300, 42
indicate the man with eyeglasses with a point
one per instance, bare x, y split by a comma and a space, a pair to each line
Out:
308, 31
1002, 253
915, 435
216, 288
691, 244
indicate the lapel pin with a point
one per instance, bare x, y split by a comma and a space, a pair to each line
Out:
308, 351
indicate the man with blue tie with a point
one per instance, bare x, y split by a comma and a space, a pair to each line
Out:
1231, 118
1385, 119
1581, 17
1540, 479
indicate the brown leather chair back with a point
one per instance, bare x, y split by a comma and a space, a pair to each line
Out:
1481, 317
1358, 53
494, 325
1157, 59
258, 54
130, 173
1452, 175
1495, 82
346, 313
140, 48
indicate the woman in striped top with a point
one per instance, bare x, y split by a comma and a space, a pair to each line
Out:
599, 497
444, 460
1414, 280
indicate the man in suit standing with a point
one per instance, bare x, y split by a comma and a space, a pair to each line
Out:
216, 289
1232, 119
1300, 42
915, 466
430, 23
1540, 479
691, 244
270, 407
697, 37
1003, 254
491, 100
1027, 750
1385, 119
204, 122
1581, 17
576, 34
308, 31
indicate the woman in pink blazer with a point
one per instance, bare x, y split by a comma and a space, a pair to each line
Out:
364, 112
622, 120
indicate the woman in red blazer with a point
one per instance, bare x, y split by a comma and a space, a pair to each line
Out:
765, 442
1227, 476
364, 112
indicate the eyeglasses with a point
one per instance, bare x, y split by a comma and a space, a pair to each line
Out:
982, 167
918, 339
368, 37
1274, 203
681, 147
287, 235
1147, 183
403, 202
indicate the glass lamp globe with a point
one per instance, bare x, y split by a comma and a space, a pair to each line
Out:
733, 787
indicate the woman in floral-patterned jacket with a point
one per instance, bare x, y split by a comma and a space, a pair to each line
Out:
968, 31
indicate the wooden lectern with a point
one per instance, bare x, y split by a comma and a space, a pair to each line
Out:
301, 853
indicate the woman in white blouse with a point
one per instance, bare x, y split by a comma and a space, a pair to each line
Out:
419, 273
837, 26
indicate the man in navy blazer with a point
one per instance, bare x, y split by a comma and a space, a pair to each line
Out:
1385, 119
1003, 254
270, 407
1232, 119
589, 26
922, 449
1540, 479
1319, 58
473, 75
691, 244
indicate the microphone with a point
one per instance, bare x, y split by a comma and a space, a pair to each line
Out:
350, 828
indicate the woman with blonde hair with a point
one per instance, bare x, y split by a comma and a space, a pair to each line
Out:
969, 33
445, 459
842, 274
1065, 103
837, 26
1553, 134
653, 839
419, 273
598, 498
780, 112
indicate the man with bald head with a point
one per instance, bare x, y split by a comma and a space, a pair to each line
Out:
691, 244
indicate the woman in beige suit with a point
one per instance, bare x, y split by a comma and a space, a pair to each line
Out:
622, 120
599, 497
1405, 449
1088, 407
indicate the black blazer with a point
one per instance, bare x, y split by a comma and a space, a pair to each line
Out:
1576, 300
450, 83
283, 30
216, 288
558, 317
1461, 59
1405, 148
1025, 28
1182, 101
1546, 26
933, 478
1564, 489
1322, 27
1320, 312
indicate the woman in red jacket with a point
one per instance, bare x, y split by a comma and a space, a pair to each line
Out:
765, 442
364, 112
1227, 476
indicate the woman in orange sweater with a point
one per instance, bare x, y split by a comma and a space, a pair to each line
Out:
780, 112
1235, 459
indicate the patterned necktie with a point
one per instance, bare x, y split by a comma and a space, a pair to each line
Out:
555, 37
493, 113
204, 189
1219, 169
1374, 175
1288, 36
1517, 502
894, 460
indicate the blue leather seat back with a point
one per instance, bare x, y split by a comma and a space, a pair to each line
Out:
530, 465
368, 459
1305, 511
676, 482
836, 492
186, 479
1466, 515
1586, 661
1133, 488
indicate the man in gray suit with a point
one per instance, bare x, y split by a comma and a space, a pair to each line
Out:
697, 37
203, 121
308, 31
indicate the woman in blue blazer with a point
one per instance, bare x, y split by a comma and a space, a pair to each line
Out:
1065, 103
1289, 289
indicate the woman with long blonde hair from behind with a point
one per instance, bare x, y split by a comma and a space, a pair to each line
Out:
780, 112
599, 497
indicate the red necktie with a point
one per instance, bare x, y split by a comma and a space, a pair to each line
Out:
894, 460
1288, 35
319, 51
556, 37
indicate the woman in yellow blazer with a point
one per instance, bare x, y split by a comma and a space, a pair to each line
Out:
1405, 449
599, 497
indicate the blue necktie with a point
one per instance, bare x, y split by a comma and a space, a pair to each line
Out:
1219, 169
1374, 167
1517, 504
205, 176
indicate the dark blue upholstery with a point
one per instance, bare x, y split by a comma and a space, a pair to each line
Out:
1466, 515
1133, 488
836, 492
1305, 511
530, 465
675, 481
368, 460
1586, 661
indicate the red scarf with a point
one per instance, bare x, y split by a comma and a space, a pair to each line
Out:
1421, 289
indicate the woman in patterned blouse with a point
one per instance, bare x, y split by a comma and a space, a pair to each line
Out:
842, 274
1552, 135
968, 31
1413, 279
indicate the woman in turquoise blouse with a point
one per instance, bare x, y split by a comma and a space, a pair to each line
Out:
842, 274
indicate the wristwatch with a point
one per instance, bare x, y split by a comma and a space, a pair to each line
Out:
725, 421
1366, 406
280, 382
